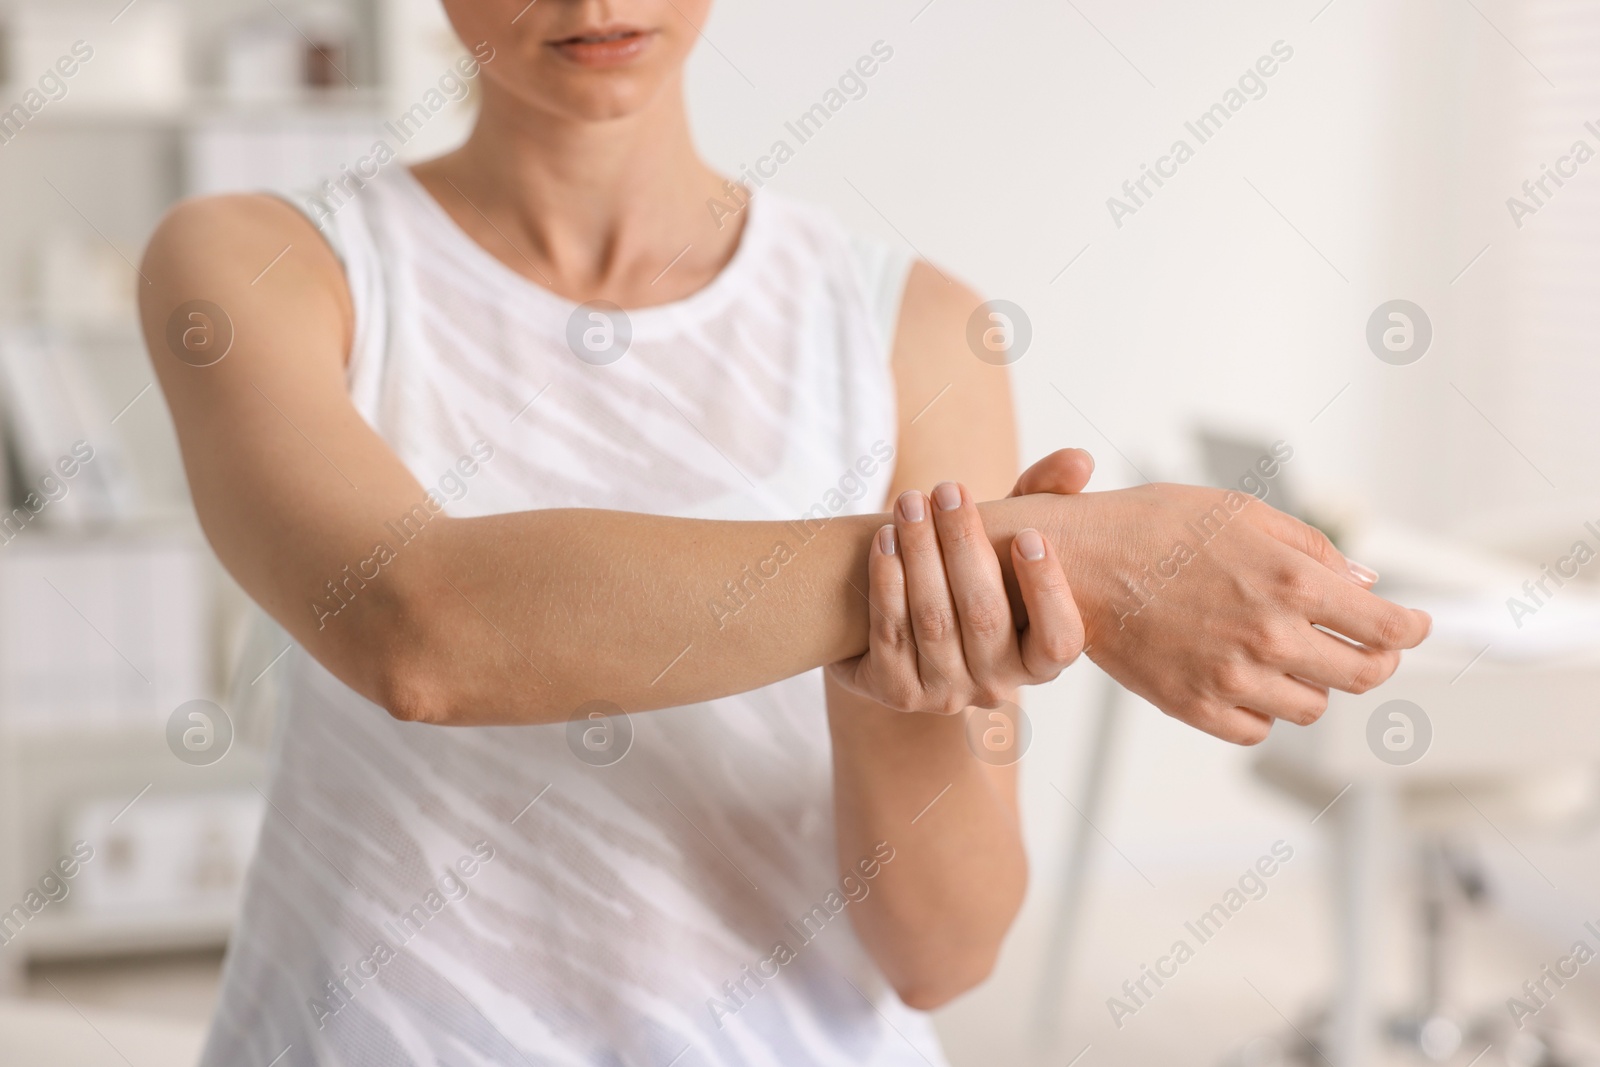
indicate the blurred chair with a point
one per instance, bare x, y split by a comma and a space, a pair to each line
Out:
1484, 731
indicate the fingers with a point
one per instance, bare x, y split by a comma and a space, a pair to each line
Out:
1346, 607
934, 625
1054, 635
1337, 664
889, 631
1303, 537
1364, 617
1238, 726
1064, 471
887, 671
988, 634
1290, 699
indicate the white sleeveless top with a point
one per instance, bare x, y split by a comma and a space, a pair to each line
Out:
428, 895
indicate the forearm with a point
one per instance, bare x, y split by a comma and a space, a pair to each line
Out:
530, 615
524, 617
936, 915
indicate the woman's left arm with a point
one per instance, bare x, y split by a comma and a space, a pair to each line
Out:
935, 915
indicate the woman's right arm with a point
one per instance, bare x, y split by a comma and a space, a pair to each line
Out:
523, 617
519, 617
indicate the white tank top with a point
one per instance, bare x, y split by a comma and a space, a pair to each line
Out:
429, 895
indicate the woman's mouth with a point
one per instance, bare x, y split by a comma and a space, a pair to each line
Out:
607, 48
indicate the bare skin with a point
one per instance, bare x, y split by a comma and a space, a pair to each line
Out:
583, 179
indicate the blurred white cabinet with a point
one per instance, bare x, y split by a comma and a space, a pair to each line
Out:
120, 791
101, 630
102, 637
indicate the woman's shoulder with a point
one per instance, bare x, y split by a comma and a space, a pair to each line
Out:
201, 237
200, 222
212, 250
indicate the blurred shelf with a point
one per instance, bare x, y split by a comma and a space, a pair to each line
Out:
201, 108
110, 331
67, 934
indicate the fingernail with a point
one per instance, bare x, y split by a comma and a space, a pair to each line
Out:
1361, 572
947, 495
911, 506
886, 540
1425, 615
1031, 545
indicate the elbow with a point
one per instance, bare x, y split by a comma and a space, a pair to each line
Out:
431, 664
934, 988
411, 694
926, 973
414, 660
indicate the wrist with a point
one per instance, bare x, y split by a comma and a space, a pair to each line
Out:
1066, 522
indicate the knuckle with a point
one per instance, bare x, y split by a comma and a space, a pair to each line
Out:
904, 694
1059, 649
958, 531
1313, 542
1271, 643
935, 622
953, 705
1373, 672
893, 632
1390, 628
1232, 678
989, 695
1301, 585
1249, 731
1045, 673
892, 687
988, 617
1315, 709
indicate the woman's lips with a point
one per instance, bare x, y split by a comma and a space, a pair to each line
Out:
610, 49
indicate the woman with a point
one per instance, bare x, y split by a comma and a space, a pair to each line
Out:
489, 529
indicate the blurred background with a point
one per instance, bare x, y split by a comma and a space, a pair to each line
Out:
1376, 266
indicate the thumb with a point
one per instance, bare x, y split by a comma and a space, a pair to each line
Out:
1066, 470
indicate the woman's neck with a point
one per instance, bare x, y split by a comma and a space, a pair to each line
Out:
614, 210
